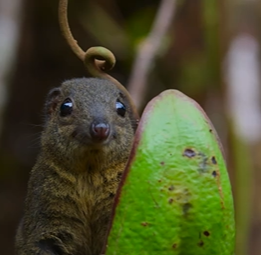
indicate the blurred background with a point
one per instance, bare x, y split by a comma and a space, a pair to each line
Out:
209, 50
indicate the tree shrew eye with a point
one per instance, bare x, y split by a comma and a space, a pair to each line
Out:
121, 108
66, 107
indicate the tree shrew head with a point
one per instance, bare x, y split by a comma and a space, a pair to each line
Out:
91, 114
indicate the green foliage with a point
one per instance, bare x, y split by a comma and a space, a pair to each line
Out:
176, 196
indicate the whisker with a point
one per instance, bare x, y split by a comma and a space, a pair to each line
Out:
34, 140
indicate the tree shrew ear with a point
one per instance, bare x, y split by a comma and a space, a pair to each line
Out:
52, 101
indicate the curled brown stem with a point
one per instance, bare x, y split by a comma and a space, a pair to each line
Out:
97, 60
66, 31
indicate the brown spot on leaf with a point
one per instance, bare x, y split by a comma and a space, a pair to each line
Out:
206, 233
174, 246
162, 163
144, 224
213, 159
201, 243
189, 153
214, 173
186, 208
210, 130
171, 200
171, 188
203, 166
159, 180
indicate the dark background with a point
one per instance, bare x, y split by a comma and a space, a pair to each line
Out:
191, 59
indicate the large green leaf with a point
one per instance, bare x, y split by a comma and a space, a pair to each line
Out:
175, 196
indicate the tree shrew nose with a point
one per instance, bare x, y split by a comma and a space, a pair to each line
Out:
100, 131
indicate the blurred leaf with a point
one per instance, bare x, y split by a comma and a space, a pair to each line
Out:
139, 24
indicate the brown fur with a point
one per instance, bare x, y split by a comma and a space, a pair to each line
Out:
73, 183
